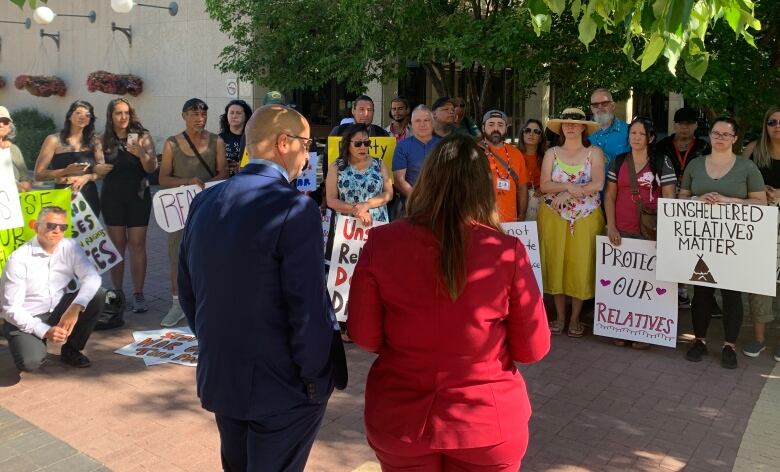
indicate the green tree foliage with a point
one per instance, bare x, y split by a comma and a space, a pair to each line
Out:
32, 127
32, 3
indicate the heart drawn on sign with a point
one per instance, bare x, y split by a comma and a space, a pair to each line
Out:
660, 291
605, 282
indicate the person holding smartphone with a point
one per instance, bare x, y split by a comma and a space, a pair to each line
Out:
125, 198
74, 156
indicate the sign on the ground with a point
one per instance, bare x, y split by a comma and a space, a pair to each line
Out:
348, 240
163, 346
91, 236
631, 303
718, 245
10, 210
381, 147
31, 204
526, 232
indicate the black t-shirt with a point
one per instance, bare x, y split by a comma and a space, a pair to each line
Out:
232, 145
770, 174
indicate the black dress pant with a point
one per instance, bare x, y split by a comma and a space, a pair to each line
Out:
29, 351
274, 443
704, 305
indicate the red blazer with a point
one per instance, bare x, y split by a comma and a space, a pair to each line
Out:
445, 375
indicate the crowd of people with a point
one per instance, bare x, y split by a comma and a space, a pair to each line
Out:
450, 186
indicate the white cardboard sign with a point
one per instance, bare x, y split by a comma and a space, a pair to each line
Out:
10, 208
718, 245
307, 181
350, 237
526, 232
172, 205
631, 303
91, 236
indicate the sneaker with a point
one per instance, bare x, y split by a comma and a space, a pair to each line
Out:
74, 358
174, 315
776, 354
683, 301
695, 353
139, 303
753, 348
728, 358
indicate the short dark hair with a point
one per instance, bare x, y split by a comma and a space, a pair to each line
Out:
194, 104
362, 98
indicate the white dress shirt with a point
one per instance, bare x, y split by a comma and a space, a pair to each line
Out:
34, 281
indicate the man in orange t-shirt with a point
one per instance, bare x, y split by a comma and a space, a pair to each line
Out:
510, 176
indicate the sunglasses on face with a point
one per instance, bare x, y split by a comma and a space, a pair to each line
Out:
772, 123
361, 143
52, 226
5, 121
535, 131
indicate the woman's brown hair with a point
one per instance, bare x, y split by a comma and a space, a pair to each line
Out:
110, 139
454, 190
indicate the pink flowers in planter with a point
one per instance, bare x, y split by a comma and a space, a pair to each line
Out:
116, 84
41, 85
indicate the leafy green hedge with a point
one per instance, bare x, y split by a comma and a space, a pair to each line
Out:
32, 127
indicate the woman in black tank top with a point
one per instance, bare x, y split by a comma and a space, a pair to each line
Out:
74, 156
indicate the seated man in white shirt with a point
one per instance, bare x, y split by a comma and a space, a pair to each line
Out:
33, 301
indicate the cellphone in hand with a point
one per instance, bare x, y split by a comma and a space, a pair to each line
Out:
132, 139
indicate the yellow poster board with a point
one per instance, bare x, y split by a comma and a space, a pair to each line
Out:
382, 147
31, 202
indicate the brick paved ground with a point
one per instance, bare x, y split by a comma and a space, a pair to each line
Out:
597, 407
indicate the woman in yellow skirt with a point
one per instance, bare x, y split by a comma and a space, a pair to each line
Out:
571, 178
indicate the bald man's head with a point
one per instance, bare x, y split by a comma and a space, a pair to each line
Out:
278, 133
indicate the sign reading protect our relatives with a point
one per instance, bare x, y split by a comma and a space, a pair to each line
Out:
381, 148
10, 210
718, 245
526, 232
348, 241
631, 303
31, 204
92, 237
172, 205
163, 346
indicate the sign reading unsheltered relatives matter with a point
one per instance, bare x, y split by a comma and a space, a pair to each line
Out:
348, 240
171, 346
526, 232
631, 303
718, 245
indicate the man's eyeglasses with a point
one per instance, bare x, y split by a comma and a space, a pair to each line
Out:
772, 123
361, 143
52, 226
603, 104
306, 141
718, 135
535, 131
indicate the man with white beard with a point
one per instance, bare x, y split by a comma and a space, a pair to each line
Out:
612, 138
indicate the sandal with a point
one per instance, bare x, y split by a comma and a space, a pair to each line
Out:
556, 327
576, 330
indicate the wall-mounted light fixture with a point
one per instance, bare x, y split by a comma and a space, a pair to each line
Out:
27, 23
128, 32
54, 36
124, 6
45, 15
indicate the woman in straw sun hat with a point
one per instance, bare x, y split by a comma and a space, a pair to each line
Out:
571, 178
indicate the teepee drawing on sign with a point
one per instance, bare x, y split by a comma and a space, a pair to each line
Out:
701, 273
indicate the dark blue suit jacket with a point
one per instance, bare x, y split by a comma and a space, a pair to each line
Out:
252, 284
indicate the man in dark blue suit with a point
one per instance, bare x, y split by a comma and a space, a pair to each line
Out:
251, 283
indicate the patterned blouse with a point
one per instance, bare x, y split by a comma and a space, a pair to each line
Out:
357, 186
575, 208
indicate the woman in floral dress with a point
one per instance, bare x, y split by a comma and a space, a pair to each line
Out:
572, 176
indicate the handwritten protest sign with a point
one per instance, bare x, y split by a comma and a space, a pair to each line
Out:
526, 232
381, 148
327, 218
307, 181
630, 303
172, 205
171, 346
722, 245
31, 204
10, 210
348, 240
92, 237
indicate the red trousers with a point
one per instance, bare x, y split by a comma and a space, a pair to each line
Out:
397, 456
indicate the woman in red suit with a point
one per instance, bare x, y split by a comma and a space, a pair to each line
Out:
449, 302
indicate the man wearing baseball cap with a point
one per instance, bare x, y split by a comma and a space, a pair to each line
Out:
7, 132
507, 166
443, 116
683, 146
